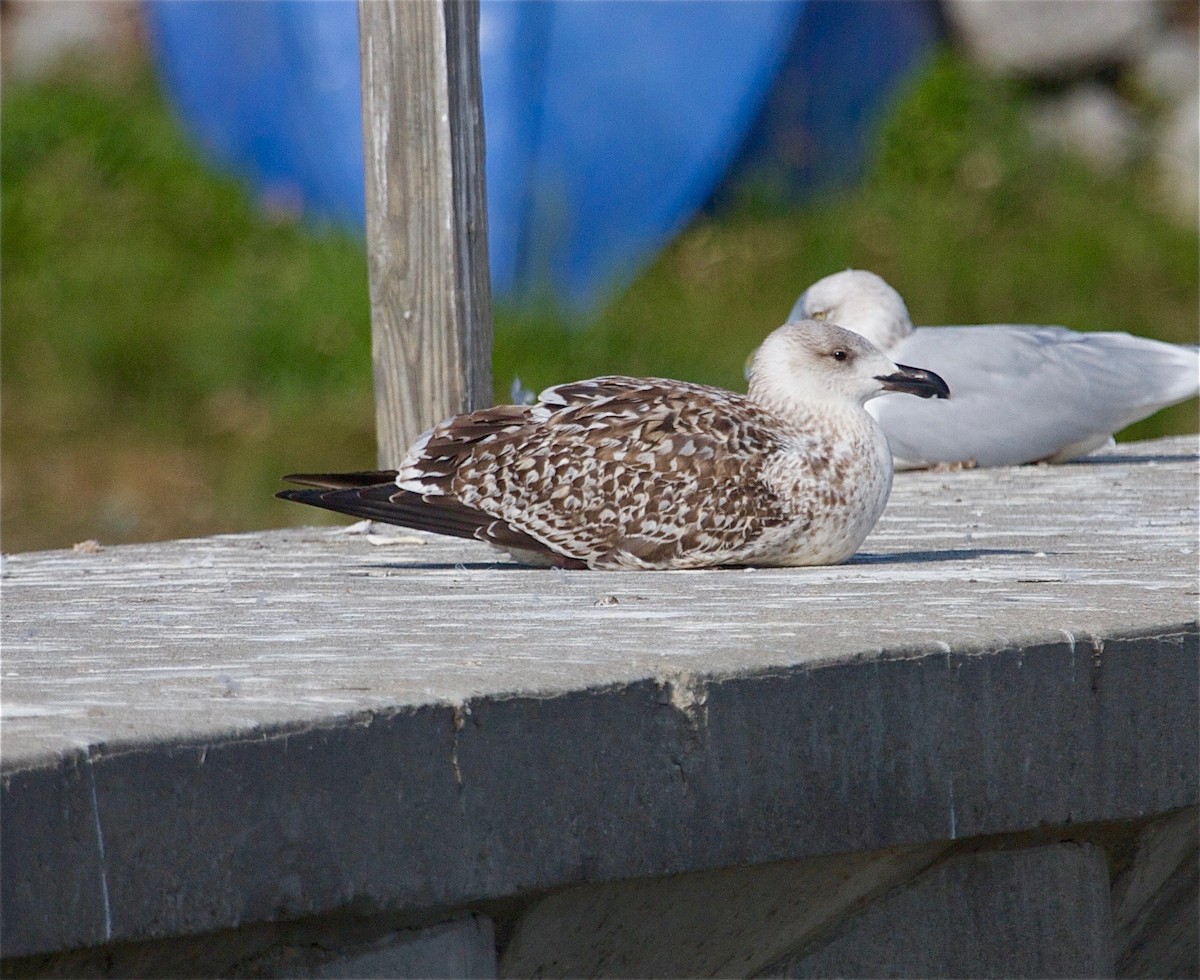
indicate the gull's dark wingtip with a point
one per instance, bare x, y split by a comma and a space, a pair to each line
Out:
294, 494
341, 481
374, 496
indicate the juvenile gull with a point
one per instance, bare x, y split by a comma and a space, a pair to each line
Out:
649, 473
1022, 394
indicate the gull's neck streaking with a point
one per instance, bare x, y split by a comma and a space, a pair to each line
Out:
860, 301
808, 363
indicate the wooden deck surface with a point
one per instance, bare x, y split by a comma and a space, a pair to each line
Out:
196, 640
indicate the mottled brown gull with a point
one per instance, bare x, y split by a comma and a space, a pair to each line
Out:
647, 473
1022, 394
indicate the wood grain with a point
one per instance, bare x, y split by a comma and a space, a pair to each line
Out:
426, 215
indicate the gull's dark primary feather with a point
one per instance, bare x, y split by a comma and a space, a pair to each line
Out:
386, 503
342, 481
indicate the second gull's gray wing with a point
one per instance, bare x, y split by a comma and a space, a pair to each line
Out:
1022, 394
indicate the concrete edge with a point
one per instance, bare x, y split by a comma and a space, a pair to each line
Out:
671, 680
439, 807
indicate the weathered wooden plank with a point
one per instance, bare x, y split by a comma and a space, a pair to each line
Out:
241, 631
426, 215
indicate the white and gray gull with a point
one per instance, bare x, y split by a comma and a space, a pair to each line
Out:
647, 473
1022, 394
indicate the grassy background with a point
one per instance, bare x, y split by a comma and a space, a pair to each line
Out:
168, 351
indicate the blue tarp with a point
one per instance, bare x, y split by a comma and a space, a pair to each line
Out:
607, 124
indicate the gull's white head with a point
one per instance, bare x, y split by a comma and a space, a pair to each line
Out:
806, 362
860, 301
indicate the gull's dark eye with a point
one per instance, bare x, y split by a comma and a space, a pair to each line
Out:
820, 314
840, 355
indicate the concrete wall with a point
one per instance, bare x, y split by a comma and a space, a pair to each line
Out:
1073, 901
972, 750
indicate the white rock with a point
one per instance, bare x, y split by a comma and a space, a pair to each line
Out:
1053, 38
1091, 121
1170, 69
1177, 157
38, 35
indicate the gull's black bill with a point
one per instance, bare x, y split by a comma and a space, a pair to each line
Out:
915, 381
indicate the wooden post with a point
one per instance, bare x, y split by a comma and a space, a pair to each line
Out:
426, 215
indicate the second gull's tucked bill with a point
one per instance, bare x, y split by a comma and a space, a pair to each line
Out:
648, 473
1022, 394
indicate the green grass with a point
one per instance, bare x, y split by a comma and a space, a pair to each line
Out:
168, 351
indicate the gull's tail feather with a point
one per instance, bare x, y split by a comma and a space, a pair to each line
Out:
1169, 373
360, 496
1188, 375
342, 481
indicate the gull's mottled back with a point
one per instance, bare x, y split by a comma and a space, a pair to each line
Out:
646, 473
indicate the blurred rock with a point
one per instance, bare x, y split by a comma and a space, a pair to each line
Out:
1177, 158
1091, 121
1169, 70
37, 36
1052, 38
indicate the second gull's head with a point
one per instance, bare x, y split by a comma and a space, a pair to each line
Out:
860, 301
